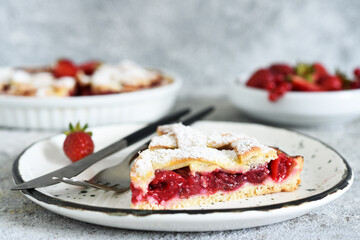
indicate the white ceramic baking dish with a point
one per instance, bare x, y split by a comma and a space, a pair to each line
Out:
56, 113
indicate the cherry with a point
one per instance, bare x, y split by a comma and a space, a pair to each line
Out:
281, 167
165, 185
257, 176
65, 68
192, 186
226, 181
274, 168
184, 172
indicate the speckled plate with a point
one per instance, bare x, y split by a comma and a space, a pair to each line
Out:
326, 176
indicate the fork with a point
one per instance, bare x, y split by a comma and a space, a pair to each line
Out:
117, 178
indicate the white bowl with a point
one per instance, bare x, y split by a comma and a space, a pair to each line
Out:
296, 108
56, 113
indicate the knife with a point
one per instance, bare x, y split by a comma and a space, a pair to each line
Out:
76, 168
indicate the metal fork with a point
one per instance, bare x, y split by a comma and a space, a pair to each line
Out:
115, 178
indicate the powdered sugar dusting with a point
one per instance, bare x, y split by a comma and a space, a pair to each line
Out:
5, 74
143, 163
246, 144
163, 141
220, 140
125, 73
184, 136
187, 137
20, 76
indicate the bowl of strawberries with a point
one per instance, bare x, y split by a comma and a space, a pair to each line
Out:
299, 95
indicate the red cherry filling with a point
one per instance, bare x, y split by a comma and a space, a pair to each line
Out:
183, 184
281, 167
258, 175
166, 185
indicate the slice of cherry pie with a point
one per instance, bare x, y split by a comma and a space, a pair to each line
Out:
184, 167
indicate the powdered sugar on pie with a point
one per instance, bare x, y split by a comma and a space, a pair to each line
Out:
66, 78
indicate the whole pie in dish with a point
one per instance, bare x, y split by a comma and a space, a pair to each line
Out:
184, 167
65, 78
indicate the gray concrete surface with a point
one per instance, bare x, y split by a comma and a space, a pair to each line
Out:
22, 219
207, 42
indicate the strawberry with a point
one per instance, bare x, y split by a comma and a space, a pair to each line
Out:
357, 72
331, 83
282, 69
89, 67
305, 71
300, 84
65, 67
320, 70
262, 78
355, 84
78, 143
346, 82
312, 73
279, 79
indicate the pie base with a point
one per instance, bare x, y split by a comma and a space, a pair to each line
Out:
289, 184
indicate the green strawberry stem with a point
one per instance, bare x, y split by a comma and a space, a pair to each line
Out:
305, 71
77, 128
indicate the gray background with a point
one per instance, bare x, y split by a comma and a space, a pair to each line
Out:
206, 42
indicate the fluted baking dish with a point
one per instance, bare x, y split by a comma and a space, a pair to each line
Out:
56, 113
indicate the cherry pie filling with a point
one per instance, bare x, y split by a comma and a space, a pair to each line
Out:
182, 183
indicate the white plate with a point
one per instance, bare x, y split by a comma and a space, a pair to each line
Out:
56, 113
325, 177
296, 108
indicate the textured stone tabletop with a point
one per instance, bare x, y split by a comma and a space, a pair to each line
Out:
22, 219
